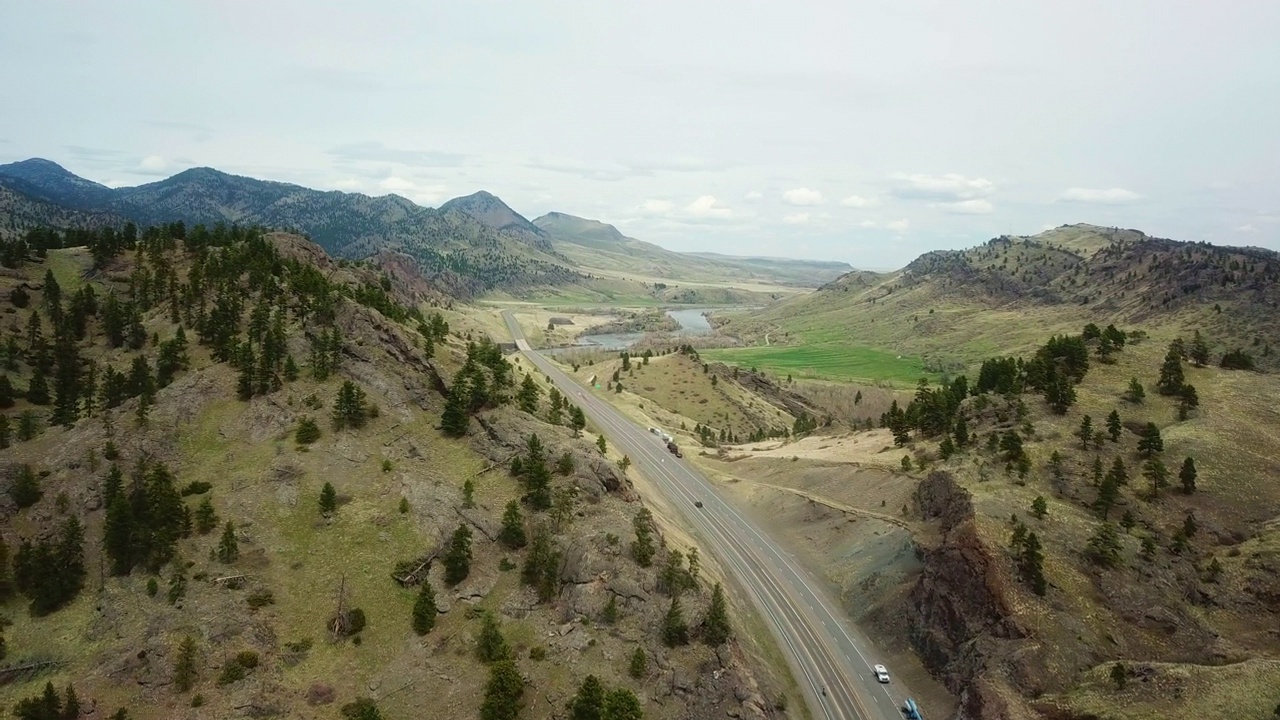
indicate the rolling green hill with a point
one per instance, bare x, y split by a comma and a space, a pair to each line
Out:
601, 247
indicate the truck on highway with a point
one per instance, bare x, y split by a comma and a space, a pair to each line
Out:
674, 449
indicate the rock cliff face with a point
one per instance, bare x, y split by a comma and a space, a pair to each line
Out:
960, 620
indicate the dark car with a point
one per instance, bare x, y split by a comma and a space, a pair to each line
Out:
697, 503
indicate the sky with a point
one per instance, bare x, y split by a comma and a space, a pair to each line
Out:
868, 132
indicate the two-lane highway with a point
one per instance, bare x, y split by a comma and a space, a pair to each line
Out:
831, 660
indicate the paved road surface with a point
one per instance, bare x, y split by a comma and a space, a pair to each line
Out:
822, 647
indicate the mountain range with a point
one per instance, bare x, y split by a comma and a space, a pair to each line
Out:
473, 244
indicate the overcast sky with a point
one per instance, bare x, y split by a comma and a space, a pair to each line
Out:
862, 131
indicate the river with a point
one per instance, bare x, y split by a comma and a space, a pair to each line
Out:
692, 322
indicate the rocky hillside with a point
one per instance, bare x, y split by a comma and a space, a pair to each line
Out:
1110, 554
959, 306
243, 480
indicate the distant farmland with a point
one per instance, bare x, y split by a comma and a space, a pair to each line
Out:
830, 362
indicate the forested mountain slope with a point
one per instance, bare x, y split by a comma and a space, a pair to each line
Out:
240, 479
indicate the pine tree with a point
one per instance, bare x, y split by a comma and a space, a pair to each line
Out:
349, 409
600, 443
577, 420
1031, 564
528, 395
1118, 473
1188, 476
184, 669
555, 413
1108, 493
455, 420
38, 388
642, 548
1199, 351
25, 490
468, 493
490, 645
1157, 474
228, 548
328, 499
1171, 376
1104, 547
245, 385
542, 565
457, 561
28, 425
674, 630
308, 431
502, 693
70, 704
961, 432
424, 609
1135, 394
610, 612
1114, 426
564, 465
638, 663
1085, 433
589, 702
118, 536
537, 477
946, 448
622, 704
206, 516
1151, 442
715, 626
177, 584
1039, 507
512, 533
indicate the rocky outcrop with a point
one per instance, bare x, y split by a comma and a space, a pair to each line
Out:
958, 611
760, 385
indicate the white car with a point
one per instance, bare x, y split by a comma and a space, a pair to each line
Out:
882, 673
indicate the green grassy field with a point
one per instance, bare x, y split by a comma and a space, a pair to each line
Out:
835, 362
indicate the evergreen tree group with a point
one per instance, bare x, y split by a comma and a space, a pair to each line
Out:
51, 571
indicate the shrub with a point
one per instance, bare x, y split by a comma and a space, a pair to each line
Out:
196, 487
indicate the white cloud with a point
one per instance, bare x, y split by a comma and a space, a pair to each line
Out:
396, 184
868, 224
1247, 228
951, 186
753, 196
803, 196
857, 201
796, 219
421, 194
350, 184
968, 207
656, 207
899, 225
155, 165
707, 207
1111, 196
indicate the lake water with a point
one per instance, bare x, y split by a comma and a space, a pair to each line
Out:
692, 322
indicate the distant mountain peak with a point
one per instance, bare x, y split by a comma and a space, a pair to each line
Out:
489, 210
47, 180
579, 229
